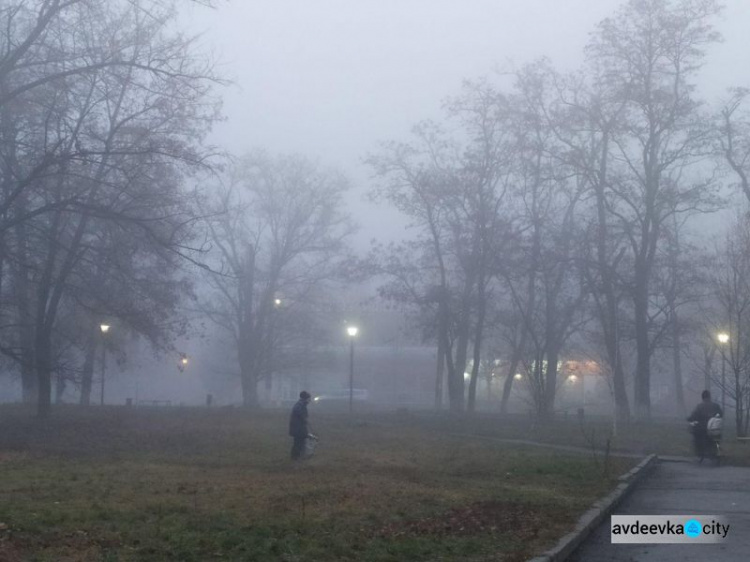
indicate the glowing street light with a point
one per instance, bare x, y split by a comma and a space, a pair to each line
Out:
518, 376
183, 362
104, 329
723, 338
277, 303
352, 331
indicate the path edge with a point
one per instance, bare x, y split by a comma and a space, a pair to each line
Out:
601, 508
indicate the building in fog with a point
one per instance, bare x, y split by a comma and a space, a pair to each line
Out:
395, 376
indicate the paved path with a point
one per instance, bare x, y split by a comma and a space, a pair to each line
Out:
681, 489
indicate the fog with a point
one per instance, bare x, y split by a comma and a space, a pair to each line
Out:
333, 79
282, 114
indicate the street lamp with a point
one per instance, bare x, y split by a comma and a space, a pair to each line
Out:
352, 331
723, 338
104, 328
183, 362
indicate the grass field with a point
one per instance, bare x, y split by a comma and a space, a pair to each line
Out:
663, 437
190, 484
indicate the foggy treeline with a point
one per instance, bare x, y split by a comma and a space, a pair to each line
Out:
558, 213
550, 213
102, 111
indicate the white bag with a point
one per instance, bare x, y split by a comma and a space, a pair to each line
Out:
714, 426
310, 443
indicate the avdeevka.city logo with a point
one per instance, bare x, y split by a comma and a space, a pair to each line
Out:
693, 528
652, 529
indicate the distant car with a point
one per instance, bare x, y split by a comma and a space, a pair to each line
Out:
342, 396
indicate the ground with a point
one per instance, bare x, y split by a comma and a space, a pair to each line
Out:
663, 436
196, 484
700, 490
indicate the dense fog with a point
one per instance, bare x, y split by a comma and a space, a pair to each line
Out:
534, 208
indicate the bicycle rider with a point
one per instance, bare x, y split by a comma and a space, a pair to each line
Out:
701, 414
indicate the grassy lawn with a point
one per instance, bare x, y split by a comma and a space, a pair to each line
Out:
663, 437
201, 485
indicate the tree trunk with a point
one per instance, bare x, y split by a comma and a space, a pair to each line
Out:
442, 337
440, 374
249, 390
739, 403
642, 394
248, 376
43, 364
456, 370
87, 372
508, 384
609, 316
677, 362
478, 336
60, 384
29, 379
550, 384
474, 376
22, 292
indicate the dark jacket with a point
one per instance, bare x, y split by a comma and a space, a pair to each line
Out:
704, 412
298, 420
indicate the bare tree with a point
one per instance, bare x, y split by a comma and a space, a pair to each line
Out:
279, 233
649, 53
732, 282
733, 137
112, 108
454, 190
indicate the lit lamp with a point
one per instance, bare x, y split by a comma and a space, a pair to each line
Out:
104, 328
723, 338
352, 332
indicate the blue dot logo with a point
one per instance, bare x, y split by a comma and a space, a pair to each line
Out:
693, 528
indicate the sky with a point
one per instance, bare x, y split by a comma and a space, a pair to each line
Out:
332, 79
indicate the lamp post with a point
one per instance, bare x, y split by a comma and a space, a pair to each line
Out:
723, 338
104, 329
352, 331
270, 346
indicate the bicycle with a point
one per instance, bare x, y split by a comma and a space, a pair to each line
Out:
711, 446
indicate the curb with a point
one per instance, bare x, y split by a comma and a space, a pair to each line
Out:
591, 519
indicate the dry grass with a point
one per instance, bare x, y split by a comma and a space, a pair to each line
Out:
663, 437
216, 485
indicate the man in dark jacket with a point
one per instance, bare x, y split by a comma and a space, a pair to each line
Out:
702, 413
298, 428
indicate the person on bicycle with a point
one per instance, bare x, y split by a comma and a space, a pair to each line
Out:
700, 416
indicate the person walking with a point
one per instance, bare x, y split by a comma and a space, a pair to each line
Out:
298, 425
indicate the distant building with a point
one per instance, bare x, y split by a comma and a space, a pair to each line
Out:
391, 375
